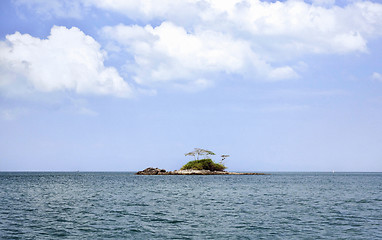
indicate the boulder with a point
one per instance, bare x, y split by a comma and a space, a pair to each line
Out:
152, 171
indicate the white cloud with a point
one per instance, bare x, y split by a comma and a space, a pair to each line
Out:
294, 27
291, 27
377, 76
241, 37
282, 73
205, 39
168, 53
68, 60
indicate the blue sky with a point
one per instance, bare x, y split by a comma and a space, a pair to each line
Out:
95, 85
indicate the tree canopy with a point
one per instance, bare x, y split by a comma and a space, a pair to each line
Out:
204, 164
200, 152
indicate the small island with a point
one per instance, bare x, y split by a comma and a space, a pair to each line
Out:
205, 166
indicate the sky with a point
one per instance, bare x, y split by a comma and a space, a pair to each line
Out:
94, 85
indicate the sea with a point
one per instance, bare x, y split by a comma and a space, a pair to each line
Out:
121, 205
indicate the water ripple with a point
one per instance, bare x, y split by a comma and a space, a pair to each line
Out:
125, 206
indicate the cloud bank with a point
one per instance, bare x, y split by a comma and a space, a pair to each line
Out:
68, 60
170, 54
198, 41
192, 44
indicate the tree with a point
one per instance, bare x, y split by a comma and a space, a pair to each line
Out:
208, 153
190, 154
200, 152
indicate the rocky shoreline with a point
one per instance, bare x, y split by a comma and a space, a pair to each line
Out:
157, 171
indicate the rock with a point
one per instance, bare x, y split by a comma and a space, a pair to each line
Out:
152, 171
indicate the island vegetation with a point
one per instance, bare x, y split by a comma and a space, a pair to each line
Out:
201, 165
204, 164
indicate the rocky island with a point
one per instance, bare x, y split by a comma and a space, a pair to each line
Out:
203, 166
157, 171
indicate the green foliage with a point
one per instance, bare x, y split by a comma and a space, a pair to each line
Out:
204, 164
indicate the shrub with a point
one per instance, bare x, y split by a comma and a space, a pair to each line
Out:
204, 164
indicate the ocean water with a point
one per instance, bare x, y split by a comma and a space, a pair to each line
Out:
126, 206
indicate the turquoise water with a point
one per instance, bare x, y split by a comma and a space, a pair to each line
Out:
126, 206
